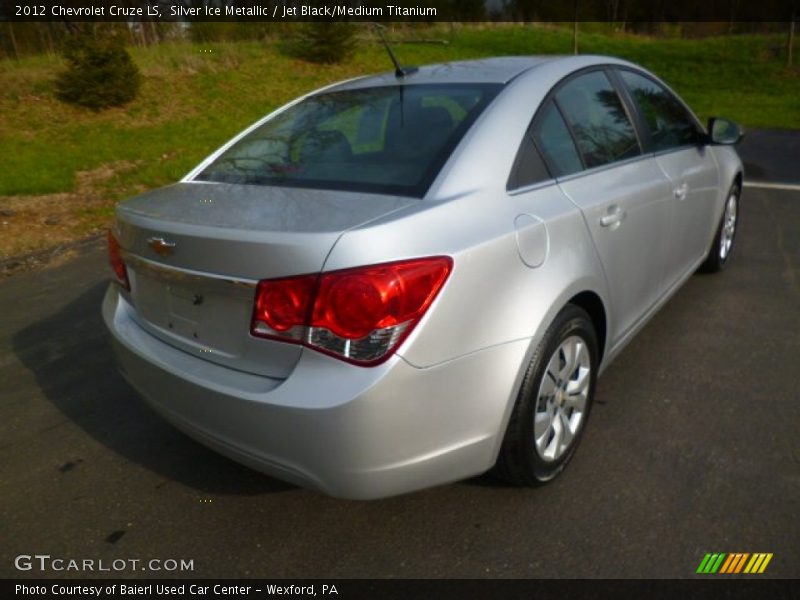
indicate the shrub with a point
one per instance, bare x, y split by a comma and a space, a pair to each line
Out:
100, 73
321, 42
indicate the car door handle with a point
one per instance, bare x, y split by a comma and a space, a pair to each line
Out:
613, 218
681, 191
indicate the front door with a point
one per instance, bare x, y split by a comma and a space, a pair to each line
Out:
678, 142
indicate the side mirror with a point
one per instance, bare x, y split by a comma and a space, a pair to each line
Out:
725, 132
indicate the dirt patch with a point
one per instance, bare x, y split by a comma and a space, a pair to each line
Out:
49, 257
32, 224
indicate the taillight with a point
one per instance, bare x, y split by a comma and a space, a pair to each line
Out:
117, 264
282, 307
360, 315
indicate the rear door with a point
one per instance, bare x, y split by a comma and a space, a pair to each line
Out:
589, 142
677, 141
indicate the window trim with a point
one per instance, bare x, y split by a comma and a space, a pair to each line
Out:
632, 110
531, 187
570, 130
605, 167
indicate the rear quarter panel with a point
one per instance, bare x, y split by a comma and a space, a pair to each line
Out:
492, 297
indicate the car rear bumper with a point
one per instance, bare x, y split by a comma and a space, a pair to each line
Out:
349, 431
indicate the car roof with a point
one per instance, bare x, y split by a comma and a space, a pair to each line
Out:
498, 70
487, 70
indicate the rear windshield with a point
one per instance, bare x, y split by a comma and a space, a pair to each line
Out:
391, 140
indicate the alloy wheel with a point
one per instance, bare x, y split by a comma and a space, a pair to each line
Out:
562, 398
728, 226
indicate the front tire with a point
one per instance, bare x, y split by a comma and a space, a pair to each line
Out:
722, 246
554, 401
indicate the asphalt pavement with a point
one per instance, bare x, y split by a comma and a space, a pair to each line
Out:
692, 448
771, 155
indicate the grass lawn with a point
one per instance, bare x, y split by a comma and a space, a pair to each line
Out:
69, 166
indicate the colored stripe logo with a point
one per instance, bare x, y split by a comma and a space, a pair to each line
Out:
734, 563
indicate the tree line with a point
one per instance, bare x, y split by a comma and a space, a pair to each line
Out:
18, 39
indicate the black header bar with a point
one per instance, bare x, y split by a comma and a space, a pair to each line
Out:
406, 589
399, 10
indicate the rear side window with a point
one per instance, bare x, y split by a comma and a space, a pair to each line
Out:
670, 124
553, 138
391, 139
597, 117
529, 168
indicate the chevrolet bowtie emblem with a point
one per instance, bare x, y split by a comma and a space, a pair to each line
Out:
161, 246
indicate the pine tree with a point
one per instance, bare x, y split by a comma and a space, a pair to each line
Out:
322, 42
100, 73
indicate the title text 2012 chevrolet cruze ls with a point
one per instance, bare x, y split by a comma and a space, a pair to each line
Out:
408, 279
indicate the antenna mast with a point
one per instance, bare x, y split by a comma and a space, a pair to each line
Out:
399, 71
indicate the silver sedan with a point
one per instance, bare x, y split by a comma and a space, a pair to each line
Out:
409, 279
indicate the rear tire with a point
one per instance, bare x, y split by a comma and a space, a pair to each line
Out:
722, 245
554, 401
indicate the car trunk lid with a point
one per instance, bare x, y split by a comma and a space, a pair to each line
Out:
196, 251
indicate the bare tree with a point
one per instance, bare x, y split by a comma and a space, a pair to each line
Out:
13, 40
575, 30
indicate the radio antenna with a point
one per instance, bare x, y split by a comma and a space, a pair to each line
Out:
399, 71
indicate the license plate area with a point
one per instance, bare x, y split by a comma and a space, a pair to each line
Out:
205, 313
185, 310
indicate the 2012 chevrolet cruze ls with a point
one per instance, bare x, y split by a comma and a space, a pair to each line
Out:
408, 279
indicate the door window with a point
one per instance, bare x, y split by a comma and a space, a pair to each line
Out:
669, 122
597, 119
